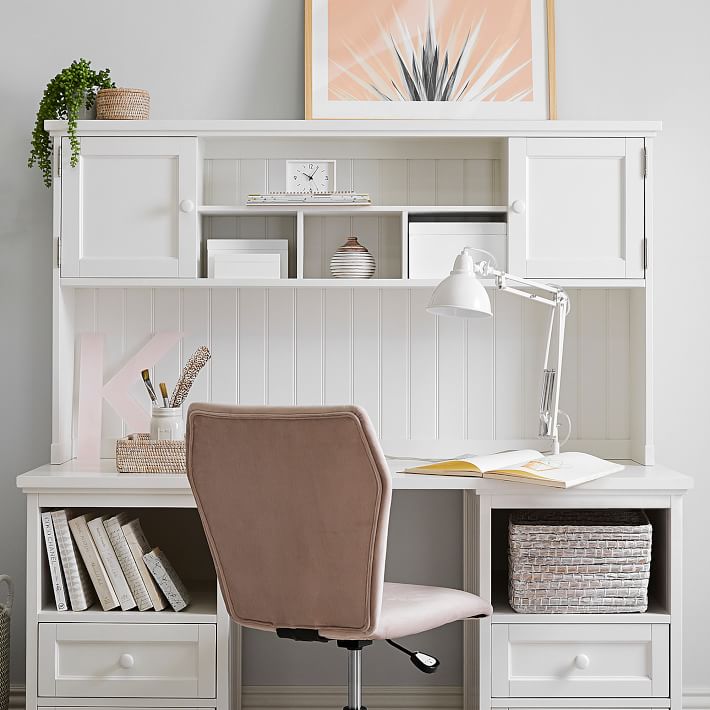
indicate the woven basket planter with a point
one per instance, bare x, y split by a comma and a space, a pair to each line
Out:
122, 105
5, 609
138, 453
579, 562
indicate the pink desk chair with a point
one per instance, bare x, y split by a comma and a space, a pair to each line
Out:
295, 503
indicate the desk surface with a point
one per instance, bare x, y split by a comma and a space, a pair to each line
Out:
103, 476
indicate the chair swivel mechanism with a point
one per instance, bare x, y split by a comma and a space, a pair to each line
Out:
295, 504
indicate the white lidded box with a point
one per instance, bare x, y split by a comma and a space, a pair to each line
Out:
247, 258
433, 246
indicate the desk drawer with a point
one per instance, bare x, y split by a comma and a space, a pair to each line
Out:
580, 660
127, 660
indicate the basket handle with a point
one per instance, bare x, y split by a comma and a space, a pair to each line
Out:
7, 606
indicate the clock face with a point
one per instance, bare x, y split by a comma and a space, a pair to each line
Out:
310, 176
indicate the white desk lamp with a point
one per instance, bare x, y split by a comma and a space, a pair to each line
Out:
462, 295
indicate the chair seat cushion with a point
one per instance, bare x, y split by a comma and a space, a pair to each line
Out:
411, 608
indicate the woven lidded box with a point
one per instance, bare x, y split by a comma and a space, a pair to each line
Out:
138, 453
579, 561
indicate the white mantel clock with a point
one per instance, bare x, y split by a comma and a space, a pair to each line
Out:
310, 176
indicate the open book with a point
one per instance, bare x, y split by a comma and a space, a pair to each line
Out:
527, 466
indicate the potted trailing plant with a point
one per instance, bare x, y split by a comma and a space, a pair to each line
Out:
73, 88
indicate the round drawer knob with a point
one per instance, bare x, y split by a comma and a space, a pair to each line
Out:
518, 206
581, 661
126, 660
187, 206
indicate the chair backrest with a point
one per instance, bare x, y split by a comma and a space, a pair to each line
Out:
295, 504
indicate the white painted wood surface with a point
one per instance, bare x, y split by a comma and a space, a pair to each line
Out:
580, 207
580, 660
418, 377
325, 128
127, 660
126, 207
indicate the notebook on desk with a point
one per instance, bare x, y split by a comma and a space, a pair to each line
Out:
526, 466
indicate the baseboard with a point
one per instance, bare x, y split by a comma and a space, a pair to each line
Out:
17, 697
290, 697
696, 698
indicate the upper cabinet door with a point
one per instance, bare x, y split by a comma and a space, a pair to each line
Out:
129, 208
576, 207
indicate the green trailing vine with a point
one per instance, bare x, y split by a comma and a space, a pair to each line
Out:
72, 88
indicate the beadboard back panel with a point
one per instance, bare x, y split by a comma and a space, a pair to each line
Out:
393, 172
420, 378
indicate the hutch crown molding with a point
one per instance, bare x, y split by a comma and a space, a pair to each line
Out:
131, 222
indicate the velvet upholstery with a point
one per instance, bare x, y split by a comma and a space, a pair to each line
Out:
295, 504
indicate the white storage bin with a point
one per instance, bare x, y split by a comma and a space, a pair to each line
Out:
433, 246
247, 258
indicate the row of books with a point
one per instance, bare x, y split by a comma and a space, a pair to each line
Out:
107, 557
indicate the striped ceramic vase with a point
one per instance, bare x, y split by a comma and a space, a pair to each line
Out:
352, 261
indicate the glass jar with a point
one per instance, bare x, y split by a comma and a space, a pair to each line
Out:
166, 424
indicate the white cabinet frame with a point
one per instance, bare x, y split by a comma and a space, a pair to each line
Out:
175, 212
557, 219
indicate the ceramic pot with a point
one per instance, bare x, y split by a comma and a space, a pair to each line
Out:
352, 261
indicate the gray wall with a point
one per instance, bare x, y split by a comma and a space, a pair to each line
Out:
617, 59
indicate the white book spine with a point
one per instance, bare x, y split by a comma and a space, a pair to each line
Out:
125, 559
167, 579
110, 560
81, 592
55, 568
94, 565
138, 544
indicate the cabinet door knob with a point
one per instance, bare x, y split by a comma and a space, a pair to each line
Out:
126, 660
518, 206
581, 661
187, 206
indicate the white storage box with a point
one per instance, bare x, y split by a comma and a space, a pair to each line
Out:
247, 258
433, 246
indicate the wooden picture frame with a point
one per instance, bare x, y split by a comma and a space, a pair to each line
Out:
367, 90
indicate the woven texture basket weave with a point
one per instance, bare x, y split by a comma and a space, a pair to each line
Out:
122, 104
577, 562
5, 608
138, 453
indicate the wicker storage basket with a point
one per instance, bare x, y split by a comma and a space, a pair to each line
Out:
122, 104
5, 608
579, 561
138, 453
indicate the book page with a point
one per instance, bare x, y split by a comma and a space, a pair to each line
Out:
477, 465
565, 470
505, 460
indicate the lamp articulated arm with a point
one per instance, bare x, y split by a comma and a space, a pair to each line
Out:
461, 295
559, 301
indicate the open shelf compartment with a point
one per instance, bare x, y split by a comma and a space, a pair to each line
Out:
658, 602
178, 533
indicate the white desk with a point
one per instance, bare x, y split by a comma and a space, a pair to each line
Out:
635, 657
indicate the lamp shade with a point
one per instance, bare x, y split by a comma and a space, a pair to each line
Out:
461, 294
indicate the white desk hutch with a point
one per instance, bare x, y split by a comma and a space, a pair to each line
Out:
130, 226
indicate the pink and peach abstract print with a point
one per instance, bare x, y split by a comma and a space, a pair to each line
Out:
430, 50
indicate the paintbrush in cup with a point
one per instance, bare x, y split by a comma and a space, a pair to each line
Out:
164, 393
149, 386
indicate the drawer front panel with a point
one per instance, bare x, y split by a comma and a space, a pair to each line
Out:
127, 660
580, 660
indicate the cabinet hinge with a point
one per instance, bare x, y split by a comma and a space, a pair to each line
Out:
645, 254
645, 162
58, 156
59, 252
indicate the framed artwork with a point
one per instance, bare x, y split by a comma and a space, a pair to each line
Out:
488, 59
